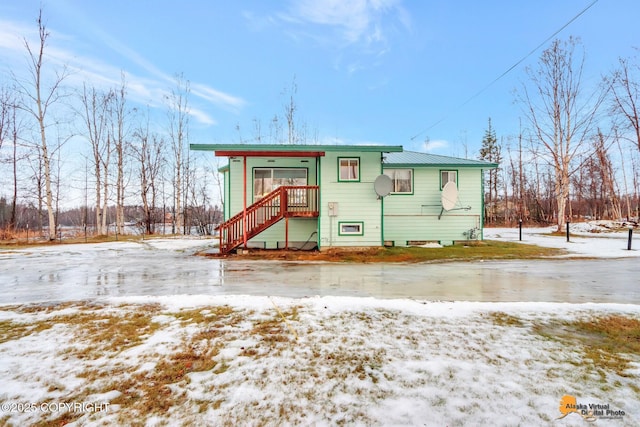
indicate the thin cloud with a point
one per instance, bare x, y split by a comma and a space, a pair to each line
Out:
435, 145
217, 97
359, 22
202, 117
202, 91
352, 18
150, 90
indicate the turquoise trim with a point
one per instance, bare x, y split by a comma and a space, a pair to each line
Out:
359, 167
436, 165
360, 223
449, 170
412, 182
228, 202
481, 204
248, 148
382, 208
382, 221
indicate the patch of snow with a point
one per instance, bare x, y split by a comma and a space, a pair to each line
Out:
356, 360
583, 242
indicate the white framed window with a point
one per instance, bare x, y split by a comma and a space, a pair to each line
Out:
448, 176
265, 180
348, 169
402, 180
353, 228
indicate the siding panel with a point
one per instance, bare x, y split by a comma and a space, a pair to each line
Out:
356, 201
415, 217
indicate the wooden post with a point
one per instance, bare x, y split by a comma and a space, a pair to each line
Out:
286, 233
244, 201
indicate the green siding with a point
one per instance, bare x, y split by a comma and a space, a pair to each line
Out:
299, 229
398, 217
415, 217
357, 201
227, 195
236, 168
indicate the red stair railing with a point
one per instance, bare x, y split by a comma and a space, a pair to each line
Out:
286, 201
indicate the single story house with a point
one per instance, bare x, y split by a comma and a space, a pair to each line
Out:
325, 196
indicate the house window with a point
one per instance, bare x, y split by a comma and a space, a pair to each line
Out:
265, 180
448, 176
351, 228
402, 180
349, 169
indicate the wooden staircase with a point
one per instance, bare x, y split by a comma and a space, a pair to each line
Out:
283, 202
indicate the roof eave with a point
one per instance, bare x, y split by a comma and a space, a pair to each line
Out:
280, 148
441, 165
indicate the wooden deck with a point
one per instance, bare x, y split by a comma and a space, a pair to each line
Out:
284, 202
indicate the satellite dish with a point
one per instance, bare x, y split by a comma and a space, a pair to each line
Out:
383, 185
449, 196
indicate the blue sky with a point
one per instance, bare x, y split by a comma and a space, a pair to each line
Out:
380, 71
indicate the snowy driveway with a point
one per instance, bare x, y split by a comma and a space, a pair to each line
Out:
168, 267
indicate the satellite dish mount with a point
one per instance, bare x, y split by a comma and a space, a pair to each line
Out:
383, 185
449, 197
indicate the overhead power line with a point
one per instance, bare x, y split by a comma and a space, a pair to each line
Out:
471, 98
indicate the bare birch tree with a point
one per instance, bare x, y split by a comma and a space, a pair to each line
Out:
561, 114
118, 122
607, 178
178, 104
9, 131
94, 116
6, 107
147, 150
290, 109
38, 101
625, 98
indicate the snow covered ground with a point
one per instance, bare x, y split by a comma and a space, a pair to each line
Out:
586, 239
318, 360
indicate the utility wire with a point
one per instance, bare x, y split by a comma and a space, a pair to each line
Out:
443, 118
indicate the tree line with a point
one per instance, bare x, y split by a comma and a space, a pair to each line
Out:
135, 172
577, 153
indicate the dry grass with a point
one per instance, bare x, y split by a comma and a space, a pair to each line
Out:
154, 382
471, 250
10, 330
19, 240
203, 315
504, 319
109, 333
608, 343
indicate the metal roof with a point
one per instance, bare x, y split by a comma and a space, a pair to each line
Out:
416, 159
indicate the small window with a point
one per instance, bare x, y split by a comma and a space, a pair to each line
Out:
349, 169
448, 176
351, 228
402, 180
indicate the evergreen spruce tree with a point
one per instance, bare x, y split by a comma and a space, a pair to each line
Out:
491, 152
